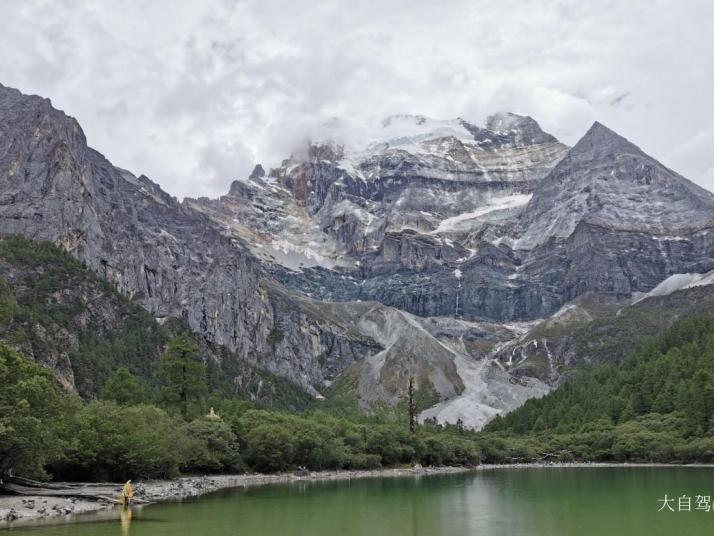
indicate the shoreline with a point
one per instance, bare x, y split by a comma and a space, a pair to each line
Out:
29, 508
17, 510
581, 465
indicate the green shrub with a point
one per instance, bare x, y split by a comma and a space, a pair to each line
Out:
113, 442
123, 388
214, 449
32, 415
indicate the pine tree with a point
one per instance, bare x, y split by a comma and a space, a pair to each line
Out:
412, 406
123, 388
184, 377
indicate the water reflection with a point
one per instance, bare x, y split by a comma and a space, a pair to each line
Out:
125, 517
511, 502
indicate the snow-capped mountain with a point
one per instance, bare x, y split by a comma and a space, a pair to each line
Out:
432, 177
434, 249
508, 227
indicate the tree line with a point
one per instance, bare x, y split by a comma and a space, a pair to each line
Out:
656, 406
129, 432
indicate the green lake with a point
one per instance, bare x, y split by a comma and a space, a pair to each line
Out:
509, 502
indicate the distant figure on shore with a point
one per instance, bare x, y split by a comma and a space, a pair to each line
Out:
126, 494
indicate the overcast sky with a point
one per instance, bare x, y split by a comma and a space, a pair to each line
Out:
194, 93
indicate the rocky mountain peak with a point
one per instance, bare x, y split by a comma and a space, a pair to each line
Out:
329, 151
257, 173
30, 120
500, 130
602, 142
608, 181
509, 129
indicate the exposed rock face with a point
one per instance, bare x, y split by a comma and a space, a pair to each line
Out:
175, 259
257, 173
415, 224
608, 182
595, 329
445, 228
405, 209
336, 206
433, 223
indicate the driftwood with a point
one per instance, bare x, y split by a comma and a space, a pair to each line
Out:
61, 485
92, 491
550, 455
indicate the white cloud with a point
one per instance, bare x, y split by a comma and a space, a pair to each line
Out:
193, 94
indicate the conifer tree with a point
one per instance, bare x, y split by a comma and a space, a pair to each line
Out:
184, 377
412, 406
123, 388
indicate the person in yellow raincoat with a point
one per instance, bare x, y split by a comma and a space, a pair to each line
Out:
126, 494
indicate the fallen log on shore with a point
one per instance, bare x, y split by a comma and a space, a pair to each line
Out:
98, 492
61, 485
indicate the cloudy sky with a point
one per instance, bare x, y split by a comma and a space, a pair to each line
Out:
194, 93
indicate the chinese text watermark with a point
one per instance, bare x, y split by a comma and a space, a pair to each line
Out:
685, 503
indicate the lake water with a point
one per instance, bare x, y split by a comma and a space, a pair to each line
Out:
508, 502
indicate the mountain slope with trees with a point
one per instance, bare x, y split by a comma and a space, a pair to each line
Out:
46, 431
132, 397
657, 405
57, 312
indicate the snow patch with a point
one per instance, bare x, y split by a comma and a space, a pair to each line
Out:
462, 221
678, 282
406, 129
296, 256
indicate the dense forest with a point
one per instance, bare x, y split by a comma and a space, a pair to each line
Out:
152, 401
